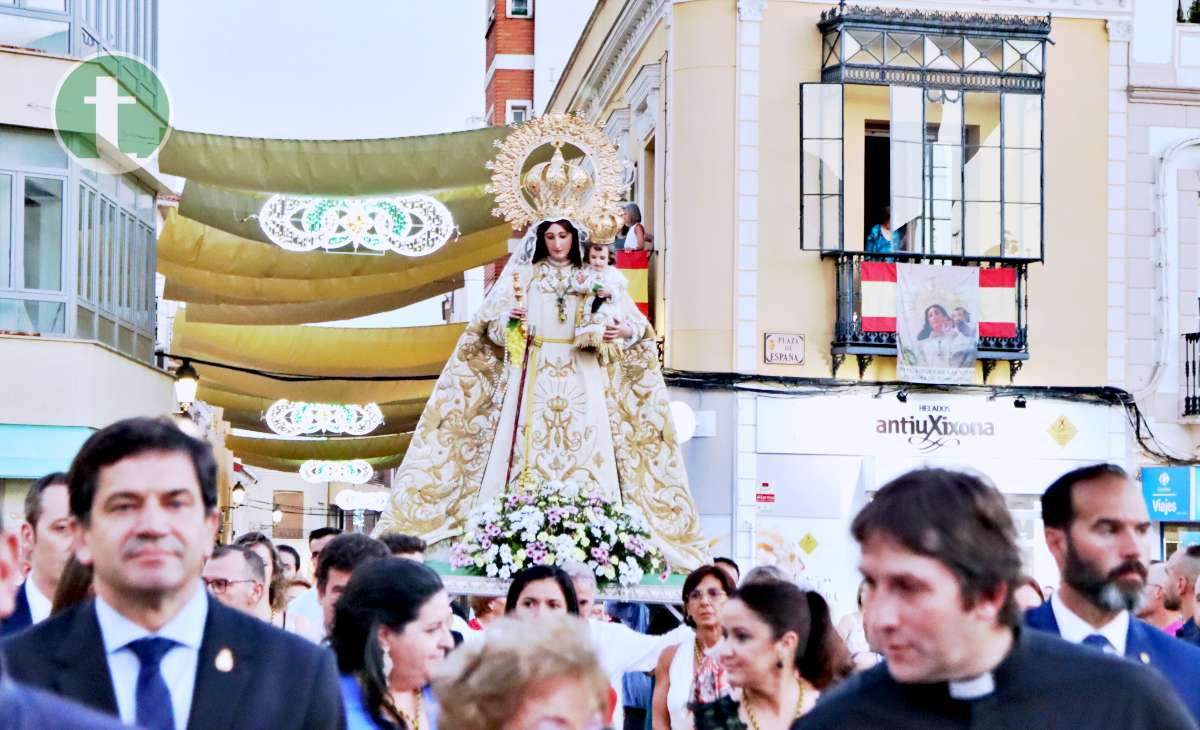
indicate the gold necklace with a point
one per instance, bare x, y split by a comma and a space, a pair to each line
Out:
754, 721
413, 722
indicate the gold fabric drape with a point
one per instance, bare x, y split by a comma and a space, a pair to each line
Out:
324, 351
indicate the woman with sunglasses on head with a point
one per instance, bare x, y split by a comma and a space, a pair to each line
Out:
705, 591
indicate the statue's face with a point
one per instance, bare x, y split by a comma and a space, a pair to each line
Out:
558, 243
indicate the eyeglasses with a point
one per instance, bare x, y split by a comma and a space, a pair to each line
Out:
713, 595
218, 586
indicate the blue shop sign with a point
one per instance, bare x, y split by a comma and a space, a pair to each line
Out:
1168, 492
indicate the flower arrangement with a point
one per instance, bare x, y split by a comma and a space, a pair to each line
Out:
558, 522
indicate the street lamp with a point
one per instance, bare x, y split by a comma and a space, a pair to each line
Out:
186, 380
237, 495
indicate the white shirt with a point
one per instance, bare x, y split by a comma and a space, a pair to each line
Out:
309, 606
178, 666
621, 649
1074, 629
39, 605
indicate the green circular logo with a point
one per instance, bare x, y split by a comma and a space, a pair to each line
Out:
111, 113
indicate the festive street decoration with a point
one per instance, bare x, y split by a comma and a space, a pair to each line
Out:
355, 471
299, 418
554, 523
412, 225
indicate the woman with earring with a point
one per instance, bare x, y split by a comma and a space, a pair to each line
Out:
391, 631
705, 591
781, 651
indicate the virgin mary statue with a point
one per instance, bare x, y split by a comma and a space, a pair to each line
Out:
519, 402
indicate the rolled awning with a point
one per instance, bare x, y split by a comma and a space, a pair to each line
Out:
293, 465
324, 351
333, 167
321, 391
246, 411
236, 211
334, 449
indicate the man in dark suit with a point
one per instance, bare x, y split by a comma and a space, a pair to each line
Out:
1098, 531
153, 648
939, 562
46, 536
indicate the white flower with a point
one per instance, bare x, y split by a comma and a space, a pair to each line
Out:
492, 552
504, 572
506, 555
492, 570
569, 490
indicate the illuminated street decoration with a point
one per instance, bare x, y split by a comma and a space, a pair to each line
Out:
355, 471
412, 225
299, 418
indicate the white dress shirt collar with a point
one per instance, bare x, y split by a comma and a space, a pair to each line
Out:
179, 666
1074, 629
186, 628
39, 605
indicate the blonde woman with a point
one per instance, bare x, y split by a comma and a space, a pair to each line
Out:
524, 675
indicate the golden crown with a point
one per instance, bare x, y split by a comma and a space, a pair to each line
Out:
585, 189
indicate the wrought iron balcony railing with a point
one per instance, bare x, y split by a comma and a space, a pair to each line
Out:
1191, 359
849, 337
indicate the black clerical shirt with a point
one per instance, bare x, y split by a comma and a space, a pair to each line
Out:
1044, 683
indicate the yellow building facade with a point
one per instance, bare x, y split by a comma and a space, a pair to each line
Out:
720, 107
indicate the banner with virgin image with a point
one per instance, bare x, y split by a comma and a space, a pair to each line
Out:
937, 323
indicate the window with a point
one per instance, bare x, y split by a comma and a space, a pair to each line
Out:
41, 255
85, 285
520, 8
517, 111
6, 227
925, 136
39, 25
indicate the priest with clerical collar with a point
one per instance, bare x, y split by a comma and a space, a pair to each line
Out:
940, 561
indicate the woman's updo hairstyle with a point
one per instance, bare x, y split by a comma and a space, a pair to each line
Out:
821, 656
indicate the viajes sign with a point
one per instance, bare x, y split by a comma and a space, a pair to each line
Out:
1168, 492
965, 426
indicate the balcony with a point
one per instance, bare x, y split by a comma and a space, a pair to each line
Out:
874, 339
1191, 358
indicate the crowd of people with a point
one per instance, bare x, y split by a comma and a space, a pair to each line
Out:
118, 608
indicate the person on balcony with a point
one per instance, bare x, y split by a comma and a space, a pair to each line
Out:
881, 238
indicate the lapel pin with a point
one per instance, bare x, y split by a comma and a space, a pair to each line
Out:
1144, 657
224, 661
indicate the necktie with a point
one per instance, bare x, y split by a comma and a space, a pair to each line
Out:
1096, 641
153, 699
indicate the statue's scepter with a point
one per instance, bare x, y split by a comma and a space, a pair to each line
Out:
518, 339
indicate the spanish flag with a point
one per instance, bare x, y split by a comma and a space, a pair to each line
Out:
635, 265
997, 299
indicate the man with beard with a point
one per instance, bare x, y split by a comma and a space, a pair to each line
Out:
939, 564
1183, 567
1098, 531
